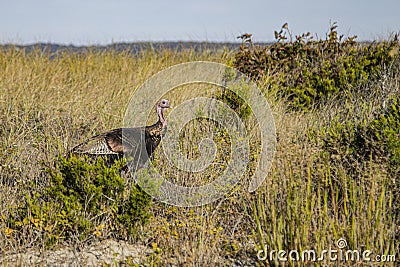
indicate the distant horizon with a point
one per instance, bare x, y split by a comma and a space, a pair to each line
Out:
198, 41
132, 42
376, 37
237, 43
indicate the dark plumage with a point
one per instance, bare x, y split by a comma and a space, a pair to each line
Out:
128, 142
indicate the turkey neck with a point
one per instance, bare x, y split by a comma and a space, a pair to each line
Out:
156, 129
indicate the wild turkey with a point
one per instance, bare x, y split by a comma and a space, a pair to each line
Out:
128, 142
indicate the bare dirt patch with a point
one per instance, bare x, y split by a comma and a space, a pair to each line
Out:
106, 252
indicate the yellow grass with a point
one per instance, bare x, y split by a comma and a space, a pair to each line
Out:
49, 103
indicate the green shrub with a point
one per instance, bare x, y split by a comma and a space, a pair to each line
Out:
385, 131
307, 71
357, 147
84, 199
363, 141
231, 97
235, 102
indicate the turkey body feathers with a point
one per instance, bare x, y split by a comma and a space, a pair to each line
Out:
136, 144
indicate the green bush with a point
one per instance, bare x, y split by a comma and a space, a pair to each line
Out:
357, 147
84, 199
307, 71
235, 102
385, 130
366, 140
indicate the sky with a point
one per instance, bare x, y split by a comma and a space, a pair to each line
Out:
99, 22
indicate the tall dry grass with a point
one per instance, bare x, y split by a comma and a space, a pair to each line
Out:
51, 102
